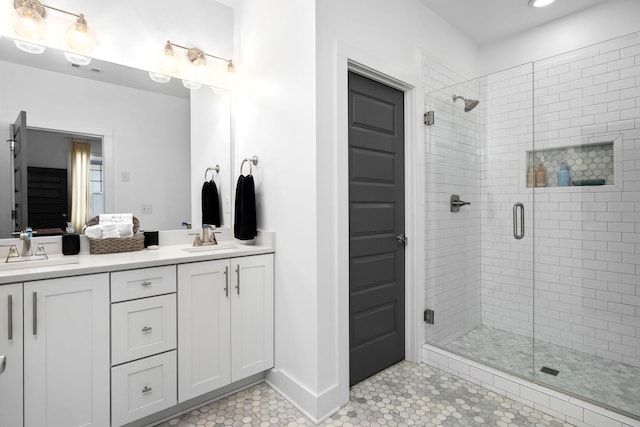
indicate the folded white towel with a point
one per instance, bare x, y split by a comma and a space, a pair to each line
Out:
126, 218
125, 230
110, 231
93, 232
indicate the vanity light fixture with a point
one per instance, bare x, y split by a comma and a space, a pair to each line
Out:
540, 3
198, 70
28, 20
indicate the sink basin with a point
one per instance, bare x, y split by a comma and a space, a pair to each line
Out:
210, 248
51, 261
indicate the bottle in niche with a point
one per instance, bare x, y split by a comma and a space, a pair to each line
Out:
564, 177
531, 176
541, 176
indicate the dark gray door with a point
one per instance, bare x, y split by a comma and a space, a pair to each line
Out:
376, 217
19, 134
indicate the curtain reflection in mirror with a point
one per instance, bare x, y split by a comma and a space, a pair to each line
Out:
80, 176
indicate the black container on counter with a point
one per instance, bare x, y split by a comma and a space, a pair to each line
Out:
70, 244
150, 238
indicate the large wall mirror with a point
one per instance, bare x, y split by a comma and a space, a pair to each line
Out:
151, 143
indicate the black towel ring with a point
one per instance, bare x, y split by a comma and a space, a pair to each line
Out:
252, 161
216, 169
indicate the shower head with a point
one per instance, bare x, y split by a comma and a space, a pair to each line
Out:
469, 104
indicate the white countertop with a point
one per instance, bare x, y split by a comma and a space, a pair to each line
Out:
85, 263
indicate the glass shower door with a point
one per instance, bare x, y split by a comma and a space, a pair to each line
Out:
480, 259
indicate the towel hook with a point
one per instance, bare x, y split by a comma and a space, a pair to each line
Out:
216, 169
252, 161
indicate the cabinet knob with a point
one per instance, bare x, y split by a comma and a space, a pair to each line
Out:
147, 329
146, 389
146, 283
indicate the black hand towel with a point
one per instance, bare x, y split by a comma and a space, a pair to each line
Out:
244, 227
210, 204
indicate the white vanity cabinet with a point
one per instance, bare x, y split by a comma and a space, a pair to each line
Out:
225, 322
143, 342
11, 349
66, 351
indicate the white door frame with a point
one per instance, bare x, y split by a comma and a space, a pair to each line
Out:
406, 79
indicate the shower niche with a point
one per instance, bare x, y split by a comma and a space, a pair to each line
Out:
591, 164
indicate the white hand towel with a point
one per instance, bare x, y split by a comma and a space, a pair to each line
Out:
125, 230
93, 232
110, 230
126, 218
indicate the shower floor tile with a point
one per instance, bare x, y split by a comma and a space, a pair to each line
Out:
610, 383
405, 394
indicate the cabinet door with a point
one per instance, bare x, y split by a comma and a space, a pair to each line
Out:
251, 315
66, 351
11, 349
203, 328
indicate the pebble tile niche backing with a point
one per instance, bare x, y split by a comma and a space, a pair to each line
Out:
584, 162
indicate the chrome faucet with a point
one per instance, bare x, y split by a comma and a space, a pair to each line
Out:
26, 243
27, 253
208, 237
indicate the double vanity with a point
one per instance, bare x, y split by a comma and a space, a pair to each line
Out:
132, 338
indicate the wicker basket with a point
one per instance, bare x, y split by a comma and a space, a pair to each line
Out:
115, 245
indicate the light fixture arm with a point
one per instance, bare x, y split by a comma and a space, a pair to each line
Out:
37, 5
200, 51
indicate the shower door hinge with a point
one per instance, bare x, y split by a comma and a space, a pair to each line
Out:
12, 144
429, 118
429, 316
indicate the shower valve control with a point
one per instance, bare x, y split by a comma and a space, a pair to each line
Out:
456, 203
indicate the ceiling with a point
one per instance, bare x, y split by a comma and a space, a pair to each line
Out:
485, 21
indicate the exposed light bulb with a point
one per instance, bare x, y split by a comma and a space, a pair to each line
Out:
80, 37
28, 22
74, 58
29, 47
540, 3
169, 63
159, 78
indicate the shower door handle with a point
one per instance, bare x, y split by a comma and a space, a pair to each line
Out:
518, 232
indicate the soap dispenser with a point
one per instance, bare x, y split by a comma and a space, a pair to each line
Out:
541, 176
563, 175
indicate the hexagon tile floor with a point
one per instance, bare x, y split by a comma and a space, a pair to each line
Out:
405, 394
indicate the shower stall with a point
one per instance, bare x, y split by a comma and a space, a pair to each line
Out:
539, 276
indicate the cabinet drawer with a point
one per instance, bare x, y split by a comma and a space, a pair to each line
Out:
143, 387
145, 282
143, 327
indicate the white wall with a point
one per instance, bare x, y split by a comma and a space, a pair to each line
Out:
274, 115
606, 20
147, 137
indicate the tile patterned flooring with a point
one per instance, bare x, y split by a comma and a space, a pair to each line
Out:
405, 394
592, 377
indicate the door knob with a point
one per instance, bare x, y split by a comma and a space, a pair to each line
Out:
402, 238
